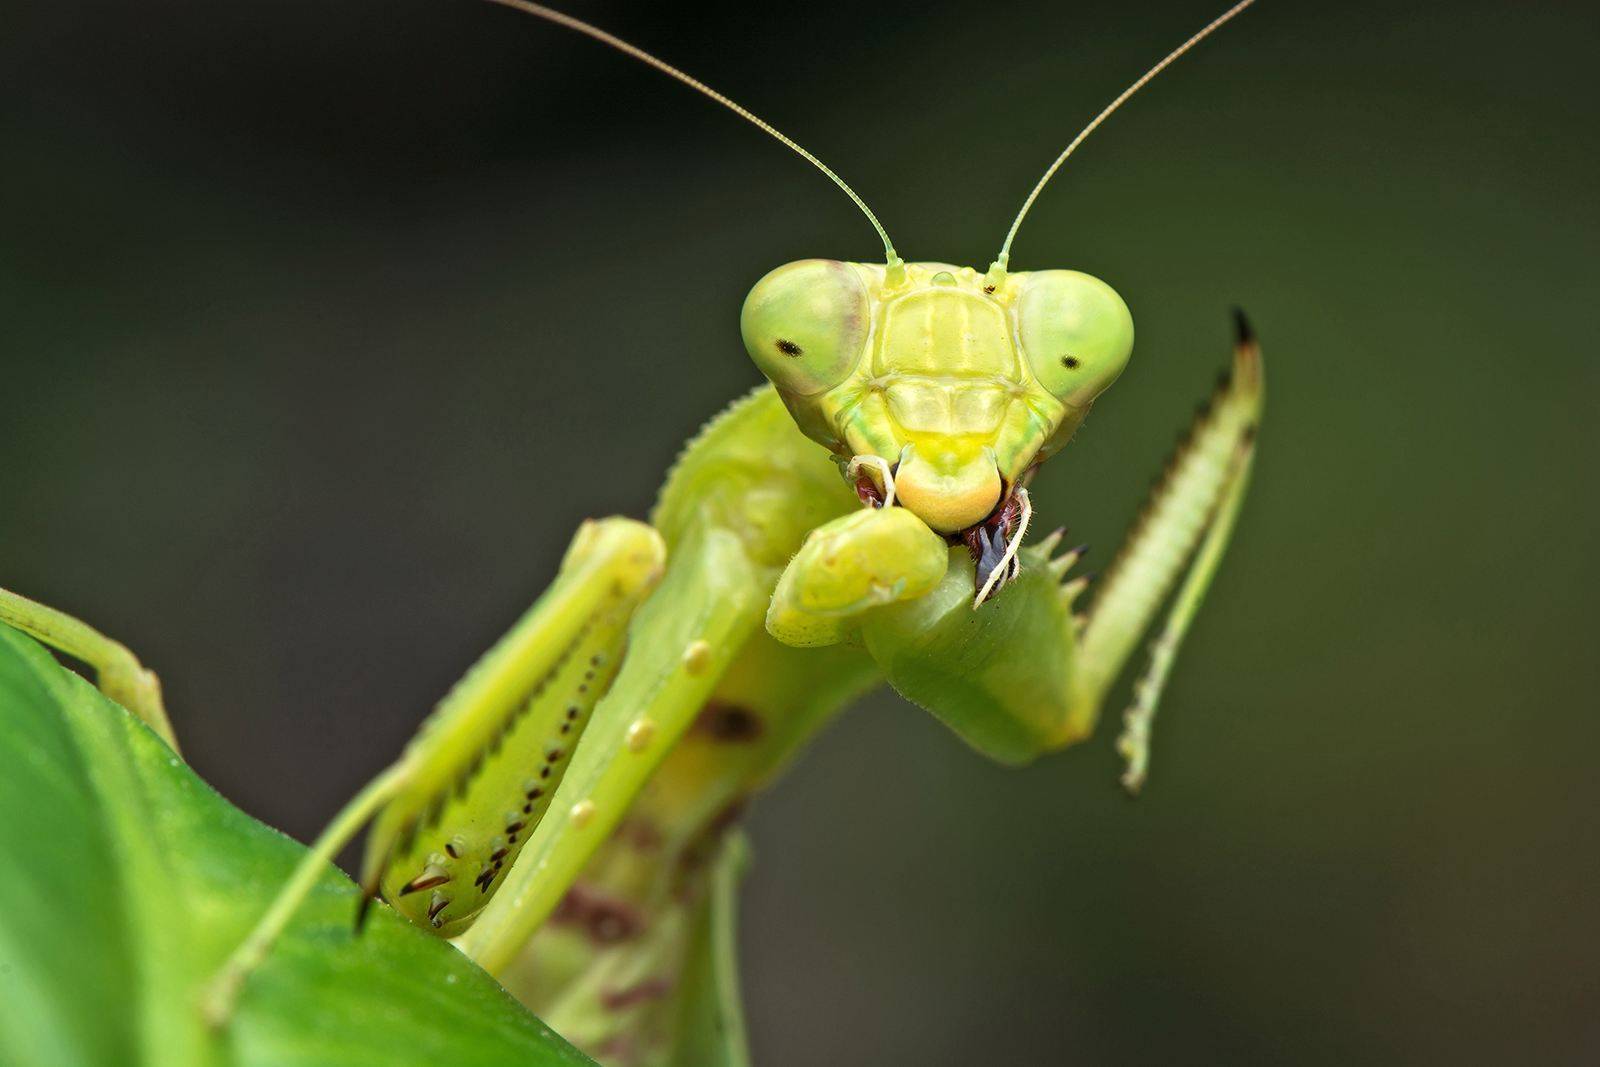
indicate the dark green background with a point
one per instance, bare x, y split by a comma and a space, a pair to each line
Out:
323, 325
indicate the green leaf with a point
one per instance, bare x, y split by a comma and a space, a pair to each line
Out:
128, 879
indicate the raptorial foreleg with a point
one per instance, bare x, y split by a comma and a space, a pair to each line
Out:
1182, 532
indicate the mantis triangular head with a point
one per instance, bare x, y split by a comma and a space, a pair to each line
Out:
948, 384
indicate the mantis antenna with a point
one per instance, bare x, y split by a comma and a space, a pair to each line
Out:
1211, 27
561, 19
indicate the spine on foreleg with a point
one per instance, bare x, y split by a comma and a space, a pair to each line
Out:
485, 766
1180, 505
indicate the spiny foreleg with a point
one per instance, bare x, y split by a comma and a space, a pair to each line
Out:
454, 809
1182, 531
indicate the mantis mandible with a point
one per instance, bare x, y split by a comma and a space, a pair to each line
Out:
565, 813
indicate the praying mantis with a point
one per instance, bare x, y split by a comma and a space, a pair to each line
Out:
568, 812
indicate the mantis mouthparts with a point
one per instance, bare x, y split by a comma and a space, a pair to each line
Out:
994, 542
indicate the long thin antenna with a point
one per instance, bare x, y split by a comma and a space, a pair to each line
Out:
1004, 258
561, 19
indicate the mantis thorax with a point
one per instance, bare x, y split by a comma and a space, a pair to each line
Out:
955, 381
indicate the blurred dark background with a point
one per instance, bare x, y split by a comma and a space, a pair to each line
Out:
324, 324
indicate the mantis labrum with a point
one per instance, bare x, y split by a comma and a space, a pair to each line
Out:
567, 813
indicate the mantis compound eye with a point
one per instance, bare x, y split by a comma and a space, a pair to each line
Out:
1077, 334
805, 325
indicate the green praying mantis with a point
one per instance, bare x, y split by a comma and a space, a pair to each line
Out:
567, 813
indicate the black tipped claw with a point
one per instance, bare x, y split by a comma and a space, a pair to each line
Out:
361, 912
1244, 333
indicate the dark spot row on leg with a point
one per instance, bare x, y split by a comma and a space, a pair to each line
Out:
519, 709
435, 809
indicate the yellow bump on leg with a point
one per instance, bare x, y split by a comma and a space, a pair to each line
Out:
640, 734
582, 814
697, 657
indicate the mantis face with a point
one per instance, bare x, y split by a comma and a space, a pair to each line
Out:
953, 382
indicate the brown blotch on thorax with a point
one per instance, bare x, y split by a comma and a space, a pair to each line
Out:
729, 723
605, 919
653, 988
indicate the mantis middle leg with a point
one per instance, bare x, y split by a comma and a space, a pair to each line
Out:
118, 672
